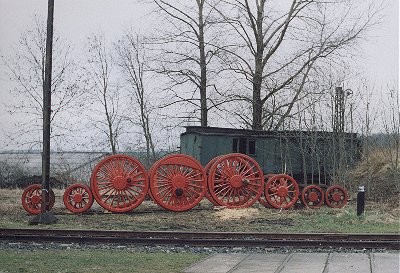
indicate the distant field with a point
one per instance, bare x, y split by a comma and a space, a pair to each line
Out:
378, 218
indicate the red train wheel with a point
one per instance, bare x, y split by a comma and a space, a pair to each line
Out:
336, 196
262, 200
78, 198
281, 191
177, 182
312, 196
207, 170
119, 183
32, 198
235, 181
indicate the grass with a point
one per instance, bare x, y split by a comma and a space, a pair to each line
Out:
378, 218
346, 221
94, 261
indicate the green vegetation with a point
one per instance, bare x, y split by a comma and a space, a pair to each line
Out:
346, 220
94, 261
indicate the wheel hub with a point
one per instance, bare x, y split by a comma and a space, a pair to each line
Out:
236, 181
78, 198
36, 199
120, 182
336, 197
178, 182
313, 196
282, 191
179, 192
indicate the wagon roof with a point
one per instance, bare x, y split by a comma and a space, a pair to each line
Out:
201, 130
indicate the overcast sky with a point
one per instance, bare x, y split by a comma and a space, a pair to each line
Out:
76, 19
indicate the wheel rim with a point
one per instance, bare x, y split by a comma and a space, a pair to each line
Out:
78, 198
281, 191
177, 182
32, 199
312, 196
119, 183
336, 196
262, 200
207, 171
235, 181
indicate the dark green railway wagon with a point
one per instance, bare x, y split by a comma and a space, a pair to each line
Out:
308, 156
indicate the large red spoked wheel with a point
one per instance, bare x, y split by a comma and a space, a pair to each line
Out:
336, 196
78, 198
32, 199
207, 170
281, 191
312, 196
177, 182
235, 181
119, 183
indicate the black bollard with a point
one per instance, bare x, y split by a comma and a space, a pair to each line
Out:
360, 200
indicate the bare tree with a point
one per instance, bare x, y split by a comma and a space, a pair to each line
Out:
133, 62
392, 130
187, 55
26, 68
276, 44
392, 127
104, 91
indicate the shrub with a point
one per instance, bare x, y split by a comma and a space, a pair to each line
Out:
379, 172
9, 173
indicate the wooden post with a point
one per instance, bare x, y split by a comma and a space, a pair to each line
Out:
46, 217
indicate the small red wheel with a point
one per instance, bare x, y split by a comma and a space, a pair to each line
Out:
281, 191
262, 200
312, 196
207, 170
32, 199
177, 182
235, 181
119, 183
336, 196
78, 198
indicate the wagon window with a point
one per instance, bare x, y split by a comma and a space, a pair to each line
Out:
252, 147
242, 145
239, 145
235, 145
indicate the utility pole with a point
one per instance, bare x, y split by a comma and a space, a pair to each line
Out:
46, 217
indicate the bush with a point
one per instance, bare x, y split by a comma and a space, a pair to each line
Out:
12, 176
379, 172
25, 181
9, 173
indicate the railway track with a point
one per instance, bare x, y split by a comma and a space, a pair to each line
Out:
216, 239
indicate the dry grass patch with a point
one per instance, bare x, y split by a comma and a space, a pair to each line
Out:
10, 201
235, 214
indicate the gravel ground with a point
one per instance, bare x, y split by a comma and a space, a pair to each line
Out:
173, 249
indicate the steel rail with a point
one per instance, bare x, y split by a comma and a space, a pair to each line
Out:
233, 239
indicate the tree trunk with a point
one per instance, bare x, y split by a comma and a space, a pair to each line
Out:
203, 69
257, 104
258, 67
